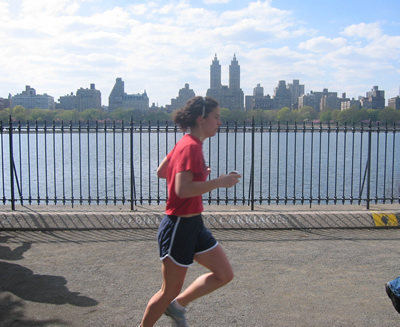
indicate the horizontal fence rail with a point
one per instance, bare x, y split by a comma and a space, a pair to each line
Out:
115, 163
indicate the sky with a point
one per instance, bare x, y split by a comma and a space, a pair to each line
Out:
59, 46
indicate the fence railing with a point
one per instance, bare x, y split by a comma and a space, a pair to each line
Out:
115, 163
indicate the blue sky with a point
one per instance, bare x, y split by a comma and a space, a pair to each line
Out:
58, 46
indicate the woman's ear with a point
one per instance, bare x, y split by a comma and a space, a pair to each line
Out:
199, 120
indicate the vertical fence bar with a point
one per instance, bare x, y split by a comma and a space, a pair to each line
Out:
123, 160
352, 163
369, 164
114, 166
149, 161
235, 160
37, 161
89, 198
54, 164
311, 163
295, 162
278, 162
393, 163
158, 160
97, 161
377, 161
269, 161
252, 162
226, 159
45, 163
80, 161
131, 150
63, 161
218, 162
303, 163
105, 162
327, 162
2, 163
344, 164
140, 162
71, 161
319, 162
20, 163
385, 164
243, 161
360, 172
11, 154
261, 160
286, 162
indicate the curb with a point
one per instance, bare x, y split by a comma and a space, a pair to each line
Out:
301, 219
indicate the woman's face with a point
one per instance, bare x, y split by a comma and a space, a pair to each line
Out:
211, 123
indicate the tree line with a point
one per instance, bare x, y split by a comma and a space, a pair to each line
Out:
306, 114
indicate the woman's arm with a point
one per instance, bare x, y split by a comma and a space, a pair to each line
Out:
185, 187
162, 169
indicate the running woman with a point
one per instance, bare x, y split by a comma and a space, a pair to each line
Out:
182, 236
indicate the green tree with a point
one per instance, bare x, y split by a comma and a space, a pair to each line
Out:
18, 113
387, 115
284, 114
336, 115
42, 114
307, 113
67, 115
160, 116
92, 114
373, 114
270, 115
122, 114
349, 116
224, 114
326, 116
4, 115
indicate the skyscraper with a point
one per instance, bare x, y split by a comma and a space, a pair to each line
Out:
232, 96
119, 99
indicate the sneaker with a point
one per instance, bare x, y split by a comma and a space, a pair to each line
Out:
177, 316
393, 297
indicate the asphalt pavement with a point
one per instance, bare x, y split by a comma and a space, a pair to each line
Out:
314, 276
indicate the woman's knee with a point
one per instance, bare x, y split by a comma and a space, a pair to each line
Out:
225, 276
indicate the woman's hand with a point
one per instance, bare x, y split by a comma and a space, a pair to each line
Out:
229, 180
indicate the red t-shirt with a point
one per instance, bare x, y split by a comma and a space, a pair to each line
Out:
186, 155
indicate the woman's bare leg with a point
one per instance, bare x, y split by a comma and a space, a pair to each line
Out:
173, 279
220, 274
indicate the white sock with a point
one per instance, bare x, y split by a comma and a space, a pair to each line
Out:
177, 305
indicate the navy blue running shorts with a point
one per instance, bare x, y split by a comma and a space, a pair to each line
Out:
182, 238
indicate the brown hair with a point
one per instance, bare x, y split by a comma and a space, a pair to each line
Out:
194, 107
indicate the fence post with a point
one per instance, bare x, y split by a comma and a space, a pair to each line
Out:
10, 139
369, 163
252, 162
132, 168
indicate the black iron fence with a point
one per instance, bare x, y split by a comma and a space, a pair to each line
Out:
115, 163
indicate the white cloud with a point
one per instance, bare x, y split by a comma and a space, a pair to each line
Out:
322, 44
48, 7
209, 2
363, 30
160, 45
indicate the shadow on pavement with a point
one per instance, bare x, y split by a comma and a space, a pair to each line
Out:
18, 284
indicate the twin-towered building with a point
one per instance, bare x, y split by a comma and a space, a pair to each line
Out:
229, 96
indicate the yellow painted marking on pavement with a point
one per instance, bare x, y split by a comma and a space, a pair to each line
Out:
385, 219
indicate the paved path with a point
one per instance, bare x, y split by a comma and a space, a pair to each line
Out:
290, 277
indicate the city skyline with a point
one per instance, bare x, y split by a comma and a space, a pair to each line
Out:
59, 46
